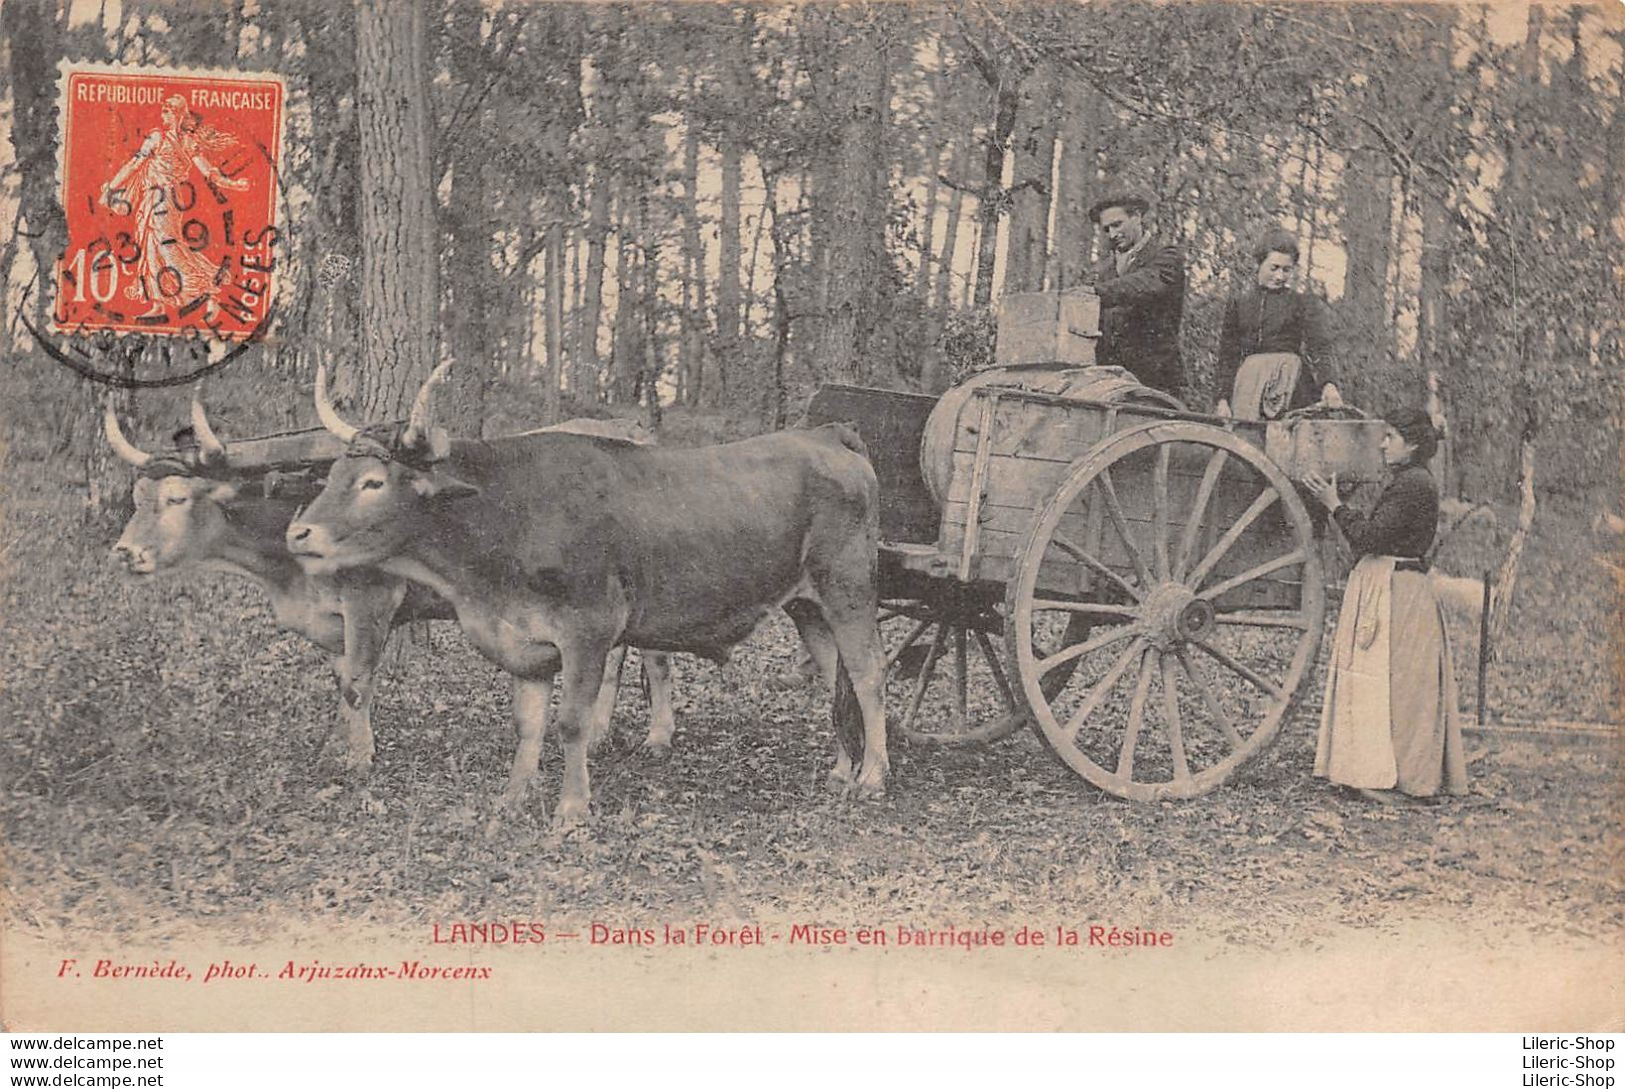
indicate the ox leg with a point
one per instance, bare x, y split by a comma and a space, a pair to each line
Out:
367, 615
583, 676
662, 720
819, 645
530, 700
864, 662
603, 708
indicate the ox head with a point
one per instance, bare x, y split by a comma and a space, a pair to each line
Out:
388, 478
180, 514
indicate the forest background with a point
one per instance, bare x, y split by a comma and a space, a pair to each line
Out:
704, 211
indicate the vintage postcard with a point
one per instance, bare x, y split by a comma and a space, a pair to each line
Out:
1023, 517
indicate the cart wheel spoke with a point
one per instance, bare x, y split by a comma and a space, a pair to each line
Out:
1114, 507
1170, 714
913, 637
1087, 608
1263, 620
1198, 512
1227, 725
1103, 687
923, 681
1269, 567
1136, 717
1159, 513
1094, 564
997, 670
1240, 669
1088, 646
1265, 500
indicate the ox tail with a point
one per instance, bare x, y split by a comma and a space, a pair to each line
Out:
847, 715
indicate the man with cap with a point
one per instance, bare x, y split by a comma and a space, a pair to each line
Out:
1141, 284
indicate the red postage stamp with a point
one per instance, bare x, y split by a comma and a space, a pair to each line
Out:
170, 186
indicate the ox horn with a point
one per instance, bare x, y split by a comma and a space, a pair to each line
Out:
209, 444
417, 424
121, 445
327, 413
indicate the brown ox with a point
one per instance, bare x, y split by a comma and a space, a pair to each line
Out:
195, 510
554, 548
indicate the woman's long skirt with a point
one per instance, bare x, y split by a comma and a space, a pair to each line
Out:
1390, 719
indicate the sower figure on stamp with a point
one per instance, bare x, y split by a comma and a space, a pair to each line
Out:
1141, 284
1269, 338
172, 272
1389, 727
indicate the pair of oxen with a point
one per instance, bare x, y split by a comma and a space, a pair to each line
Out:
553, 549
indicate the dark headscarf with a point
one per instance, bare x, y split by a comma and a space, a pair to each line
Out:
1416, 427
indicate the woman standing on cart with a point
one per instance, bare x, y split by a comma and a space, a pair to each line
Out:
1389, 727
1270, 336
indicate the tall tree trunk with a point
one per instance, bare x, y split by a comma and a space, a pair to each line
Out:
1027, 255
588, 363
33, 46
400, 271
858, 199
1005, 100
469, 229
553, 333
626, 360
649, 308
1081, 120
728, 365
694, 309
775, 408
1367, 222
950, 231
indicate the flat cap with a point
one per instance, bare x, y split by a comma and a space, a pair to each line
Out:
1128, 199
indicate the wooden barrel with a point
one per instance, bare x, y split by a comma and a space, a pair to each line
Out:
945, 425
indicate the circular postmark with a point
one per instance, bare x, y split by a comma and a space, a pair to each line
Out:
170, 189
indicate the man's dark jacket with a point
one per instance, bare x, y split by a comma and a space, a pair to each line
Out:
1139, 315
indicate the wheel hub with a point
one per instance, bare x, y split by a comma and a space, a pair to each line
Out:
1174, 614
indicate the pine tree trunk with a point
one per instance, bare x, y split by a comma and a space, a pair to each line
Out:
1367, 220
695, 316
553, 332
1027, 255
1081, 118
400, 291
857, 203
950, 231
993, 197
728, 290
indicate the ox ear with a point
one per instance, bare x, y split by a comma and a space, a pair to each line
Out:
439, 485
223, 492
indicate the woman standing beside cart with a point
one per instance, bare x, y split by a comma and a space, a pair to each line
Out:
1389, 726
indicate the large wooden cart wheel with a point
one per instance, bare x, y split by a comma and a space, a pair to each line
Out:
1193, 558
946, 681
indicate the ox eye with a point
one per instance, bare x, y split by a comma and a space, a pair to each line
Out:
371, 483
177, 500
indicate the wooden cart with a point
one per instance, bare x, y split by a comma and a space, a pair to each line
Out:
1153, 574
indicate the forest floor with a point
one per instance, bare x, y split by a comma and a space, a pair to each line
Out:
159, 741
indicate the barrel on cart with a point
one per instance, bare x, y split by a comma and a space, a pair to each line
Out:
1065, 548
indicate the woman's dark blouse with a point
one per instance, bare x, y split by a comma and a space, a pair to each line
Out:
1275, 321
1403, 521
